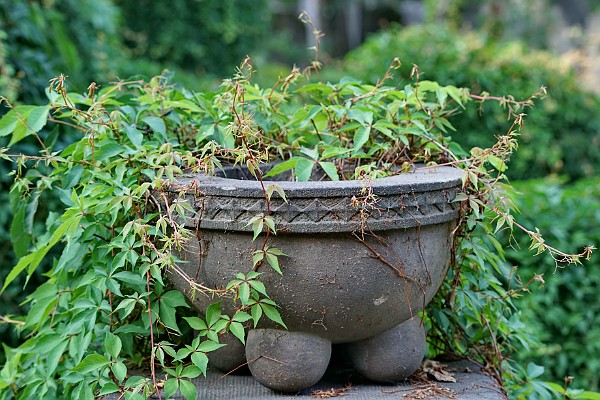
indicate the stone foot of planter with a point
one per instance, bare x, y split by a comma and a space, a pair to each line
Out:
393, 355
230, 357
286, 361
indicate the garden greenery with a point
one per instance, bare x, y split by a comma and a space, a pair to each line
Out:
562, 313
560, 137
106, 319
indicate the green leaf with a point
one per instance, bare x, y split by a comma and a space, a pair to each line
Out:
330, 169
455, 93
428, 86
272, 313
312, 153
303, 169
174, 298
23, 121
257, 228
256, 312
534, 370
274, 262
20, 239
191, 372
364, 117
157, 125
200, 360
497, 163
168, 302
196, 323
209, 345
275, 251
329, 152
183, 104
45, 344
120, 371
171, 387
108, 150
112, 345
127, 305
8, 123
282, 167
238, 330
270, 224
321, 88
93, 362
259, 287
41, 308
188, 390
361, 136
257, 257
135, 135
32, 260
241, 316
213, 313
275, 188
108, 388
37, 118
587, 395
55, 355
244, 293
130, 277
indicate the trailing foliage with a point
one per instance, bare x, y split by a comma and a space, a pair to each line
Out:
561, 135
38, 40
106, 307
563, 313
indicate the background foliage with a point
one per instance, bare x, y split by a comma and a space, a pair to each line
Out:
43, 39
198, 36
562, 132
564, 314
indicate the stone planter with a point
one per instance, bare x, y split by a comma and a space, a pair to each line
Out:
338, 286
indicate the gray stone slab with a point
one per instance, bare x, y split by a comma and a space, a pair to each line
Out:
471, 384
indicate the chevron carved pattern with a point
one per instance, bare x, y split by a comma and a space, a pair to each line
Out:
335, 214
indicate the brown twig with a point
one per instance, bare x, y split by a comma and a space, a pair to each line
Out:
152, 358
7, 320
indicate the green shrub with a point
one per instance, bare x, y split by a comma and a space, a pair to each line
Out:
198, 36
104, 306
72, 37
565, 313
562, 132
39, 40
78, 38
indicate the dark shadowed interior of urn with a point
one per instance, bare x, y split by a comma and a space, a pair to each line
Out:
242, 173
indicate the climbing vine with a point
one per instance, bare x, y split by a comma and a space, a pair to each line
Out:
107, 310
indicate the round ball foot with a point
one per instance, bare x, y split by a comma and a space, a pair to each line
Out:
286, 361
393, 355
230, 357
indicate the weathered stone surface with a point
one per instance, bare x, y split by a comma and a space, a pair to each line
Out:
347, 275
391, 356
332, 285
408, 200
471, 384
229, 357
287, 361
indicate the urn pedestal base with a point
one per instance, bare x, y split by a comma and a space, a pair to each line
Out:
288, 361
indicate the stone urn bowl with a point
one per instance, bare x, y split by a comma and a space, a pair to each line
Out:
351, 274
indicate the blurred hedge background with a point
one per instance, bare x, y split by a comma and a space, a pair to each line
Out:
495, 46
